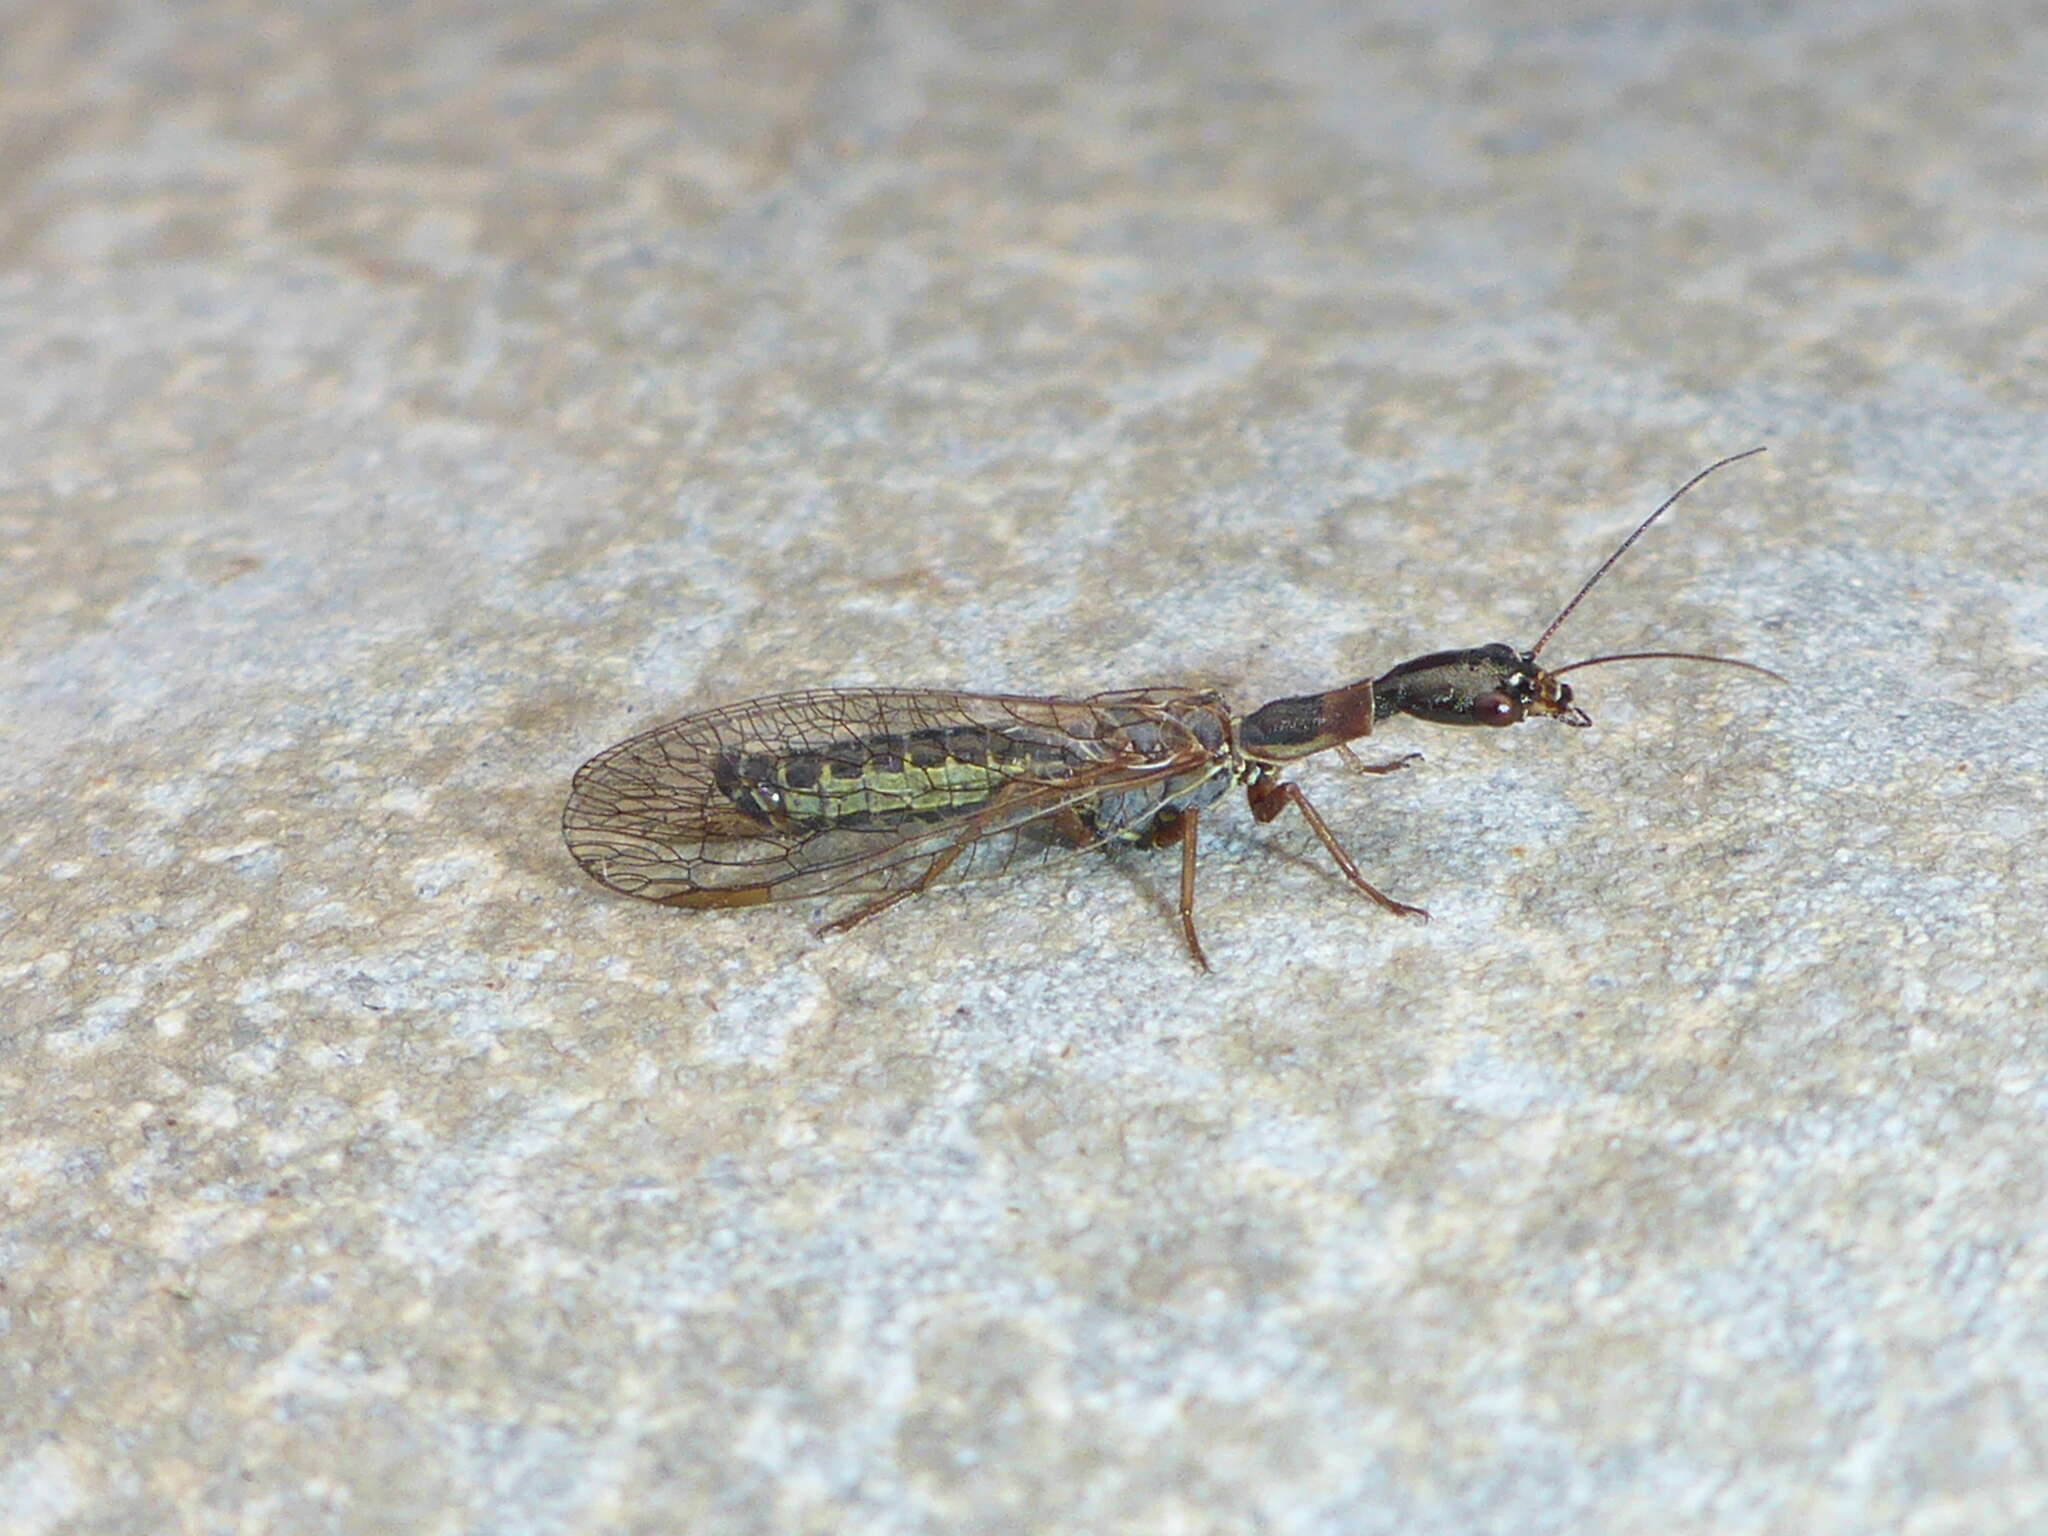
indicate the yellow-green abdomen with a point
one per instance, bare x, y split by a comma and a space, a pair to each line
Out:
878, 782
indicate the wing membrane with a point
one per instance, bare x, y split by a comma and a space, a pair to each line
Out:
648, 817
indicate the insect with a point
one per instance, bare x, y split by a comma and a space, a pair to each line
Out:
885, 792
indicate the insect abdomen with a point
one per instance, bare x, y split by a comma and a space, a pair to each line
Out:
877, 782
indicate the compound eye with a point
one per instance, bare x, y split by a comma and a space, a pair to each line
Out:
1495, 708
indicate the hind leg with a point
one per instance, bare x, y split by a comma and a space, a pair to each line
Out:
883, 903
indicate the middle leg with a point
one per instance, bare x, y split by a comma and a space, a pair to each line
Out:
1187, 889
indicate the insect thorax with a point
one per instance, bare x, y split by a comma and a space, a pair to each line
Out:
1199, 733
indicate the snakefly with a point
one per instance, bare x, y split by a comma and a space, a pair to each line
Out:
884, 792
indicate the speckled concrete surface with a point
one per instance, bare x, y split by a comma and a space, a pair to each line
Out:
398, 406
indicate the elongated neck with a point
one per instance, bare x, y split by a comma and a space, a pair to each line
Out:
1309, 723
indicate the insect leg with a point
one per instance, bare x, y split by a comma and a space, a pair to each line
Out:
1069, 825
1170, 826
1358, 765
1187, 888
1269, 797
932, 871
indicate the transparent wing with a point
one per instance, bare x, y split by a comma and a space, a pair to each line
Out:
649, 817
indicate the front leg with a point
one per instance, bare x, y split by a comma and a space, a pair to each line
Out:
1358, 765
1269, 796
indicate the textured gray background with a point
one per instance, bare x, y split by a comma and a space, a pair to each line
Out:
398, 405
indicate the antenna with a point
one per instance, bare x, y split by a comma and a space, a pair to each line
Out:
1719, 661
1608, 564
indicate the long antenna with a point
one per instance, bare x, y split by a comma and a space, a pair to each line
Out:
1719, 661
1641, 529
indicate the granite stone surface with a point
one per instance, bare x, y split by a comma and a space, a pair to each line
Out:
400, 404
